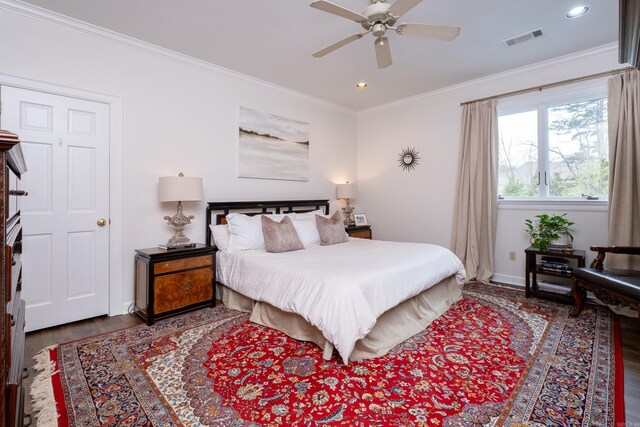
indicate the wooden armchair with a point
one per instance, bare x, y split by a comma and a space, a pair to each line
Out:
611, 286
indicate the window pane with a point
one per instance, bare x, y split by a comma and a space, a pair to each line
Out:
579, 149
518, 154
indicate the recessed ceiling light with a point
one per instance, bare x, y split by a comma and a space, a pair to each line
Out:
361, 85
577, 12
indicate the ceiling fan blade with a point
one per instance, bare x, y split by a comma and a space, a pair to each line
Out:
440, 32
383, 52
337, 45
400, 7
338, 10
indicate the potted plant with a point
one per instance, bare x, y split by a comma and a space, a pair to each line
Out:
547, 230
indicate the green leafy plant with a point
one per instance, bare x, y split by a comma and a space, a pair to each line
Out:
548, 228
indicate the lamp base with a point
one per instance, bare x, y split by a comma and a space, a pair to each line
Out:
348, 214
179, 220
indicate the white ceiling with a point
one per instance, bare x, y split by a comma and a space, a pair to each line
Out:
272, 40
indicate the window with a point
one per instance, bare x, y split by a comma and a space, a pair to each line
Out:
554, 145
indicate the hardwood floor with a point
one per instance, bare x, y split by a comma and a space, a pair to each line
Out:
630, 329
630, 333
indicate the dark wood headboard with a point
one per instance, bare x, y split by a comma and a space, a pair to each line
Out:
219, 210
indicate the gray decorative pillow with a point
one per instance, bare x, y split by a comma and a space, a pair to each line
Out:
280, 236
331, 230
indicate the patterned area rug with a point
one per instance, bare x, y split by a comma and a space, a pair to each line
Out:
494, 359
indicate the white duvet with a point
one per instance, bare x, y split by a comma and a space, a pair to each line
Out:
340, 289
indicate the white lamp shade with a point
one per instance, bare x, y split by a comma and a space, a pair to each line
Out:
179, 189
346, 191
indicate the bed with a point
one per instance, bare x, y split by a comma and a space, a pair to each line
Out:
360, 298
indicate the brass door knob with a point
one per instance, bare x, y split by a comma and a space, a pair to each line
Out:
101, 222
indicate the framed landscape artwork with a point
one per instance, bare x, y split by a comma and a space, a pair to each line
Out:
272, 147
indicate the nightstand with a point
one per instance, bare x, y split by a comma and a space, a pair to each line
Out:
172, 281
360, 231
559, 289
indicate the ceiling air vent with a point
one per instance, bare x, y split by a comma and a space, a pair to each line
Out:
523, 37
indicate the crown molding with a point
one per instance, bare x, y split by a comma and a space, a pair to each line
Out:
603, 50
51, 17
48, 16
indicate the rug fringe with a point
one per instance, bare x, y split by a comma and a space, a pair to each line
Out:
42, 398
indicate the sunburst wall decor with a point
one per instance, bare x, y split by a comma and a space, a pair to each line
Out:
408, 159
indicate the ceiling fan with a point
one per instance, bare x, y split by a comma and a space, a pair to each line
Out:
376, 19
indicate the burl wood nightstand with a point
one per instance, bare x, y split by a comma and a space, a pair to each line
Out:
168, 282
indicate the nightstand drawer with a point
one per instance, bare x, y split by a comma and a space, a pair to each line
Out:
366, 234
182, 264
180, 290
359, 231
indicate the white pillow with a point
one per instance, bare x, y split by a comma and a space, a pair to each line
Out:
311, 214
245, 232
307, 230
220, 234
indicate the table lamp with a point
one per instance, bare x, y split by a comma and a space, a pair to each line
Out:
347, 191
179, 189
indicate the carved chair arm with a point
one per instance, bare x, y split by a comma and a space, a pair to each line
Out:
602, 251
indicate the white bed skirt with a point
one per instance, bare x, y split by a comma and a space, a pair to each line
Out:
392, 327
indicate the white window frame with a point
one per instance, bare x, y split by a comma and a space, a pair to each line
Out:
541, 101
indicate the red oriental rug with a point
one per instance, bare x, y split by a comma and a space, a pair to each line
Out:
494, 359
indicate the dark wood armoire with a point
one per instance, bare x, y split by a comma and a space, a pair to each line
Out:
12, 308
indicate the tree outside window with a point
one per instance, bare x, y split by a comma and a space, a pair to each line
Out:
555, 151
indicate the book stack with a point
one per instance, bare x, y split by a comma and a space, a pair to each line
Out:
555, 265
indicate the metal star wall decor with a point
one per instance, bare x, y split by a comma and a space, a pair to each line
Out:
408, 159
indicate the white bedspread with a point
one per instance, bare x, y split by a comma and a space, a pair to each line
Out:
340, 289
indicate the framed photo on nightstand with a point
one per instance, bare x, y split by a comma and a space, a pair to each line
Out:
361, 219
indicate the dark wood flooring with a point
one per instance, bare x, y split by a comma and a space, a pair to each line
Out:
630, 329
630, 333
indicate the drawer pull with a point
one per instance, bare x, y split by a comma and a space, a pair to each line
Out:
13, 321
26, 420
25, 373
18, 193
185, 287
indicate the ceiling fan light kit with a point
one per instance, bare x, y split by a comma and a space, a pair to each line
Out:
376, 19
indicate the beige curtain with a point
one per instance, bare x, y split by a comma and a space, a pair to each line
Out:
624, 166
477, 199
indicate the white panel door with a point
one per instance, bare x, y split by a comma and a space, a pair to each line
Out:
66, 253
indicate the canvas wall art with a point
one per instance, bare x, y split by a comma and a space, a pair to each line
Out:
272, 147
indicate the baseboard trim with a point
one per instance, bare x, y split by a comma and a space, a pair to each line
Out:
510, 280
124, 308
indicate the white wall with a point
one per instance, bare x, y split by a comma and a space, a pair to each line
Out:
177, 116
590, 229
181, 116
418, 205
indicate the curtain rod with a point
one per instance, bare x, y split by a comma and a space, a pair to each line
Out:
548, 85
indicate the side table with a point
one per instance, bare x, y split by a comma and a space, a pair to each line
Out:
561, 291
360, 231
172, 281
